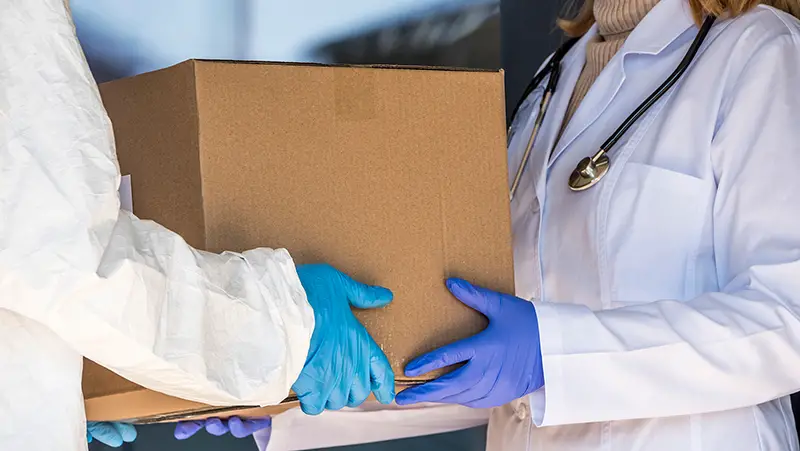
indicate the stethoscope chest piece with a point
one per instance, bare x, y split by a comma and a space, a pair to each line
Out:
589, 171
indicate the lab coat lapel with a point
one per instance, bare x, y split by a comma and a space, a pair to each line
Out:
595, 103
571, 67
662, 26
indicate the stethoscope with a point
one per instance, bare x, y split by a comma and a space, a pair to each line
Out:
591, 170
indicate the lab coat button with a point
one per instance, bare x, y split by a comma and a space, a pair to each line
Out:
523, 411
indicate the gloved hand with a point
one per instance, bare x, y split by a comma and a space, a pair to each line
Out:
503, 363
110, 434
344, 364
238, 427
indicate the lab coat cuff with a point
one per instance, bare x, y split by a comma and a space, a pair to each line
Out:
548, 404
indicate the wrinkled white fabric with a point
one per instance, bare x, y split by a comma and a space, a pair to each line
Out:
41, 406
225, 329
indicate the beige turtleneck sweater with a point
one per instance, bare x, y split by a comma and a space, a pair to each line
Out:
615, 20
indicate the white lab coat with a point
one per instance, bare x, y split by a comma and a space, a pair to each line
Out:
80, 277
668, 296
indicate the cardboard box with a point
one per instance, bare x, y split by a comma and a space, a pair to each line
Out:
396, 176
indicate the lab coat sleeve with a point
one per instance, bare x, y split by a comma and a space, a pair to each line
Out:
720, 351
231, 329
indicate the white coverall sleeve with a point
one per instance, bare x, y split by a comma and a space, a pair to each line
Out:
41, 406
231, 329
720, 351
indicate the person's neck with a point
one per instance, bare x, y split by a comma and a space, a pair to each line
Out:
615, 21
617, 18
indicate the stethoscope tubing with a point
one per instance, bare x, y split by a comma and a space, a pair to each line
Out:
663, 88
553, 68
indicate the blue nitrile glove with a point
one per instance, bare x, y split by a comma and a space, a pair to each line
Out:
111, 434
344, 364
238, 427
503, 363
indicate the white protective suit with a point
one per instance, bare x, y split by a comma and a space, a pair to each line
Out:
80, 277
670, 292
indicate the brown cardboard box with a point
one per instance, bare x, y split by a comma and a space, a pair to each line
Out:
396, 176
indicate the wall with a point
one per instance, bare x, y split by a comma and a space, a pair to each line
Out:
289, 30
529, 35
123, 38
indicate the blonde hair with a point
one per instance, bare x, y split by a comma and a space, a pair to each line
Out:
584, 19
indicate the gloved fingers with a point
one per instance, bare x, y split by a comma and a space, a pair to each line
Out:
365, 296
308, 389
105, 433
244, 428
312, 403
338, 398
216, 427
450, 384
482, 403
476, 396
343, 381
460, 351
381, 375
358, 394
477, 298
360, 388
186, 429
360, 385
126, 431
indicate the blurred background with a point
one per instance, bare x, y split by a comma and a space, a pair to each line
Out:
124, 38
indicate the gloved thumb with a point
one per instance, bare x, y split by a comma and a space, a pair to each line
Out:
366, 296
477, 298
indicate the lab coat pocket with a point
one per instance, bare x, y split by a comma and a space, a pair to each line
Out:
654, 228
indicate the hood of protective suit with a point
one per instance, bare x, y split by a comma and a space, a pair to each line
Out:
79, 277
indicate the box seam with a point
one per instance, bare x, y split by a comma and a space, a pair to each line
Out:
197, 132
354, 66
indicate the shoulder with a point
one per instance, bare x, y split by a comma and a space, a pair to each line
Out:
757, 44
761, 25
759, 61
